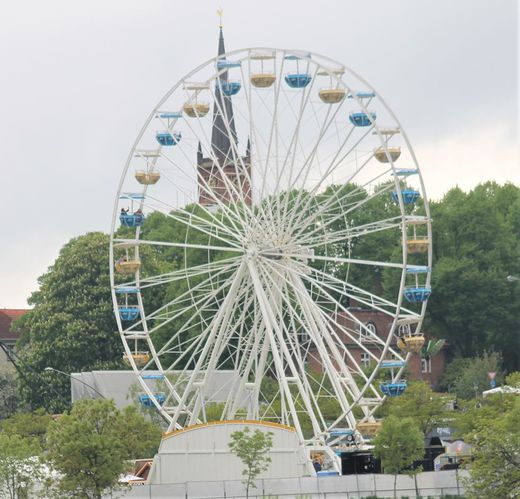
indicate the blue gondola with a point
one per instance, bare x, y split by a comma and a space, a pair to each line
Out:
147, 401
298, 80
409, 196
133, 196
360, 118
129, 313
418, 269
230, 88
170, 115
225, 64
328, 472
417, 294
393, 389
362, 94
341, 432
131, 219
127, 290
392, 364
168, 138
405, 172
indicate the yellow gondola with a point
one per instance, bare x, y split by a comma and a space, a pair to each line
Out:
332, 95
196, 109
411, 344
147, 178
369, 428
140, 358
262, 80
127, 266
381, 156
419, 244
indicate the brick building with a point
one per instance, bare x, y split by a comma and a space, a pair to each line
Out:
378, 323
7, 336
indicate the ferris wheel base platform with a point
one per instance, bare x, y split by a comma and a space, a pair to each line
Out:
201, 453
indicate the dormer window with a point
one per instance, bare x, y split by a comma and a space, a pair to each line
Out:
367, 331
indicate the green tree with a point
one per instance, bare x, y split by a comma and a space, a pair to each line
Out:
71, 326
9, 392
419, 403
476, 243
90, 446
495, 470
28, 425
513, 379
398, 444
252, 448
468, 378
19, 466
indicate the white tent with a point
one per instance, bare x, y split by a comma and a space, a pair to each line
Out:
509, 390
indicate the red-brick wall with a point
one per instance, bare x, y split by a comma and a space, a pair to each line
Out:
383, 324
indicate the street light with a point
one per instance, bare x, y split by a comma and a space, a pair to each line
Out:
51, 369
512, 278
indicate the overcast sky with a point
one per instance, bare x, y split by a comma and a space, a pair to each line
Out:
80, 77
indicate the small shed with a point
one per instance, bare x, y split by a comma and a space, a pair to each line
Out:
201, 453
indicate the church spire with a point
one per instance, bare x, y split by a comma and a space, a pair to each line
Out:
220, 136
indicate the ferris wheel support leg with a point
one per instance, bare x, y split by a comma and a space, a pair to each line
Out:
320, 331
271, 327
222, 316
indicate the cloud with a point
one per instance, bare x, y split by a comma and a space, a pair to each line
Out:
468, 158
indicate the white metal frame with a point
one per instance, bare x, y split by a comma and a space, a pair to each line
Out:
266, 309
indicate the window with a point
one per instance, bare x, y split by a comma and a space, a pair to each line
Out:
426, 365
365, 359
404, 330
367, 331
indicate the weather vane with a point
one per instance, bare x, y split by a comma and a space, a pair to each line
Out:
220, 13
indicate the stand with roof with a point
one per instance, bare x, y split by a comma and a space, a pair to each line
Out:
268, 166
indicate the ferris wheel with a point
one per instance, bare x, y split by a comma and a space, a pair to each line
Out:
246, 237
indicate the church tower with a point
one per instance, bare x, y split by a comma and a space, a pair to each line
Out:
216, 174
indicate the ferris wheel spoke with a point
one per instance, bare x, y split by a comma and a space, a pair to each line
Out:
237, 158
315, 331
343, 205
211, 227
280, 352
294, 140
231, 215
214, 357
231, 210
310, 324
183, 274
361, 295
306, 167
301, 210
205, 298
209, 150
349, 233
337, 347
330, 319
221, 317
146, 242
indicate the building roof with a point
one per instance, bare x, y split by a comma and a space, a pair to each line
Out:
7, 316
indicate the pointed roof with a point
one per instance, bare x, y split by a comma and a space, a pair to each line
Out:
220, 137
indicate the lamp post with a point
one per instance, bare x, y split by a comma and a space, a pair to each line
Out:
51, 369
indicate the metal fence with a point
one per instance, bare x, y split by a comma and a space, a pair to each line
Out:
443, 484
